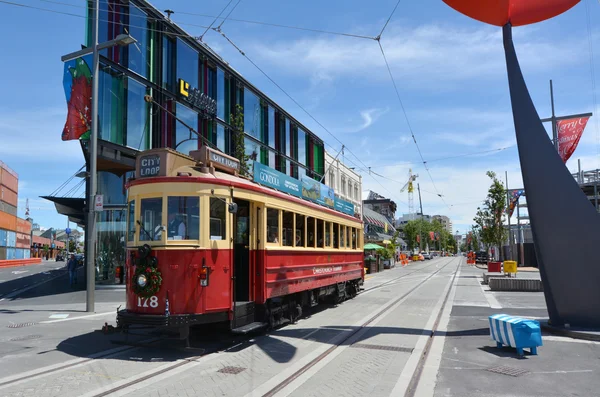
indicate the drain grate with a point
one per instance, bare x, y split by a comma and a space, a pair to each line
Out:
511, 371
231, 370
21, 325
383, 347
26, 337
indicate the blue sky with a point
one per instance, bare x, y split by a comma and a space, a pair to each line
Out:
449, 69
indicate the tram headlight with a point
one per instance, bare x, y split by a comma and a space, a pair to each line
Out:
142, 280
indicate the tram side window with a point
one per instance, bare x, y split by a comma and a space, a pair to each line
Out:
349, 237
354, 238
327, 234
272, 226
288, 228
217, 219
342, 236
151, 219
310, 232
183, 218
335, 235
320, 233
131, 223
300, 237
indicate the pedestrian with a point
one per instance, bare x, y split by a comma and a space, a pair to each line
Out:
72, 267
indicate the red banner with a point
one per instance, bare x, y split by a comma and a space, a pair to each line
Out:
431, 236
569, 134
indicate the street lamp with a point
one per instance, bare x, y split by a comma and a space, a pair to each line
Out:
120, 40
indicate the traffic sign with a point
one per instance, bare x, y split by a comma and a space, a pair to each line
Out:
68, 231
99, 203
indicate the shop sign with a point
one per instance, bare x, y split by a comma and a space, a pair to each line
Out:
267, 176
344, 206
150, 165
317, 192
197, 98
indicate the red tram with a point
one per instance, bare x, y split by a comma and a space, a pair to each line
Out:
208, 246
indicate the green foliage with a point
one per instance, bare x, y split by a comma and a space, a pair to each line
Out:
490, 218
239, 148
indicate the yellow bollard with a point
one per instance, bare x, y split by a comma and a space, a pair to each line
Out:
510, 267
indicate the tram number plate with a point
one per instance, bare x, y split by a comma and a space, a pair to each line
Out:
145, 302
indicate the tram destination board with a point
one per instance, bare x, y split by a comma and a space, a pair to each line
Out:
150, 165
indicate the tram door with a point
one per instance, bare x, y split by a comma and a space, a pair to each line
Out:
241, 251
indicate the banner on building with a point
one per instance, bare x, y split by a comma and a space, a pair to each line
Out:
569, 134
77, 82
315, 191
344, 206
514, 198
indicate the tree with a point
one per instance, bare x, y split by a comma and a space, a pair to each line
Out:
490, 218
414, 228
239, 147
72, 246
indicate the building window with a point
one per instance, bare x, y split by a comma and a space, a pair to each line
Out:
185, 140
183, 218
217, 219
168, 66
271, 127
111, 107
349, 188
301, 147
221, 137
187, 64
356, 193
138, 52
222, 96
252, 111
138, 120
332, 179
343, 189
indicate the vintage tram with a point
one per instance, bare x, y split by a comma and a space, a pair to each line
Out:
205, 245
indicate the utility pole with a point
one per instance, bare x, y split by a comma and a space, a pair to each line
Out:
510, 250
420, 228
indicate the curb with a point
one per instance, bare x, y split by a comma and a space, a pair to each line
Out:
4, 266
583, 335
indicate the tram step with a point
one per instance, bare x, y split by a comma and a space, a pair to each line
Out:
244, 308
245, 329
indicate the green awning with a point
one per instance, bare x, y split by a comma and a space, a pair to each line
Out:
372, 247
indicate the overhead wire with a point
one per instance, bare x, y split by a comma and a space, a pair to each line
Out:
227, 16
389, 19
64, 184
215, 20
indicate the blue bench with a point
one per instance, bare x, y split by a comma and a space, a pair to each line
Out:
515, 332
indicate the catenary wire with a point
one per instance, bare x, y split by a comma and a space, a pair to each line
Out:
227, 16
408, 122
215, 20
281, 26
62, 186
389, 19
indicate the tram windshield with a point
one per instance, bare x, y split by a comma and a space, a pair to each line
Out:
183, 218
150, 219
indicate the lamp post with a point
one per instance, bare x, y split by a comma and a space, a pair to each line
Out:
95, 48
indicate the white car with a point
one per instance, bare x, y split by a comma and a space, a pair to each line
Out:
426, 255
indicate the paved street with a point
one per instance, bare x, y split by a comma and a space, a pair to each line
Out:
368, 346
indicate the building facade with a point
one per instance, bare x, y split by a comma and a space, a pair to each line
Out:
15, 233
345, 181
197, 99
381, 205
405, 218
445, 221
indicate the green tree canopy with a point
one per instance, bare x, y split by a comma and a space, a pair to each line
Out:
490, 217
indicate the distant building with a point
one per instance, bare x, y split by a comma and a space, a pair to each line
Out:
445, 221
346, 183
15, 233
405, 218
381, 205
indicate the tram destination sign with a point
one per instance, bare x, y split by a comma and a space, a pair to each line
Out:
149, 165
219, 160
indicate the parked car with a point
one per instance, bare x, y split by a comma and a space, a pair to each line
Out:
80, 259
60, 258
481, 257
426, 255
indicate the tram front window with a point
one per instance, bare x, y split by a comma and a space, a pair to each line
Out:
183, 218
150, 219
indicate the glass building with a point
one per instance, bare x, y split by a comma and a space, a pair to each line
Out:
193, 84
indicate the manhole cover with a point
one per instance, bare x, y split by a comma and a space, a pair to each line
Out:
383, 347
26, 337
511, 371
21, 325
231, 370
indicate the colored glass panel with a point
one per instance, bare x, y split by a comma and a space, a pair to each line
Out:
138, 117
111, 107
187, 64
168, 67
138, 52
252, 124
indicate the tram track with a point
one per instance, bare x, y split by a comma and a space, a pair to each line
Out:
391, 282
283, 384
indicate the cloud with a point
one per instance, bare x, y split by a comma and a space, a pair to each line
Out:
368, 118
428, 53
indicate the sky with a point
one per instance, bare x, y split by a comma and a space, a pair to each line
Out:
449, 70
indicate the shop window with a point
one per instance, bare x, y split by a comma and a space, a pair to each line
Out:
183, 218
320, 231
151, 218
187, 64
138, 52
288, 228
327, 234
217, 219
185, 140
310, 232
336, 235
131, 221
272, 225
138, 117
342, 236
300, 235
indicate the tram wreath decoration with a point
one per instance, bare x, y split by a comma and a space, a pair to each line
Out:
153, 280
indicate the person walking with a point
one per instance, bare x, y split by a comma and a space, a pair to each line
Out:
72, 267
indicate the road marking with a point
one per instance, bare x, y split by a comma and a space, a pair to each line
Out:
59, 315
489, 295
19, 271
76, 318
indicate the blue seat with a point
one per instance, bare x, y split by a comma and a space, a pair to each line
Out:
515, 332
